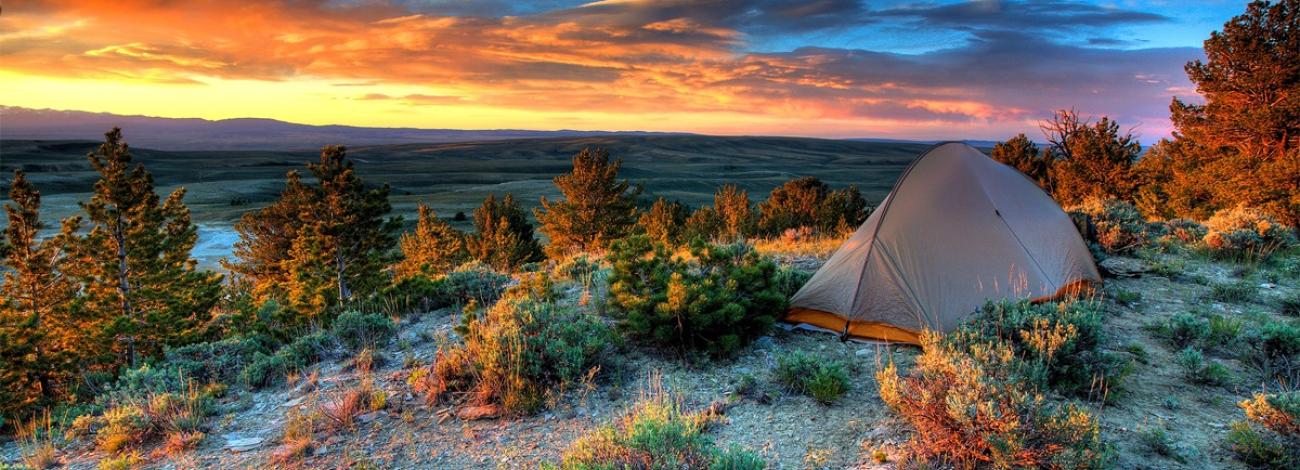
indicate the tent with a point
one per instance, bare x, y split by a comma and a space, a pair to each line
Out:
958, 229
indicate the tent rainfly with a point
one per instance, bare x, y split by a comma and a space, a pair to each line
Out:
958, 229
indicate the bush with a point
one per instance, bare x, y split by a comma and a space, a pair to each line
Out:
718, 303
1246, 233
1274, 350
357, 331
656, 433
823, 379
129, 425
1271, 438
266, 370
1185, 231
971, 406
1199, 370
218, 361
808, 202
520, 351
665, 222
1057, 342
1240, 292
1290, 306
1120, 227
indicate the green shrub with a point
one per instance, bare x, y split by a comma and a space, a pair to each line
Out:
470, 282
790, 280
1290, 306
1274, 350
1127, 297
1158, 441
520, 352
357, 331
971, 407
1271, 436
657, 434
1120, 227
266, 370
718, 303
1058, 342
1200, 370
1239, 292
822, 379
1246, 233
217, 361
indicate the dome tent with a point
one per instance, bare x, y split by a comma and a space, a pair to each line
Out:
958, 229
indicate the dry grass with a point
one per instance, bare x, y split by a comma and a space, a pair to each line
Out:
340, 409
36, 441
178, 442
821, 246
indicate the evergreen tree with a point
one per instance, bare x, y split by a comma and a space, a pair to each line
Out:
843, 210
433, 247
319, 245
704, 224
266, 237
597, 208
134, 264
503, 237
1245, 140
794, 204
735, 212
37, 338
1090, 159
1023, 154
665, 222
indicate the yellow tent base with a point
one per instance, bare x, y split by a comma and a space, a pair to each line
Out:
891, 333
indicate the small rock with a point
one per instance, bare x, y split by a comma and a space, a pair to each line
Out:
864, 352
244, 444
470, 413
1267, 285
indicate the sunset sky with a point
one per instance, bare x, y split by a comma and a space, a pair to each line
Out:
828, 68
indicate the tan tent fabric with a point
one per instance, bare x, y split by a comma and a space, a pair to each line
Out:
958, 229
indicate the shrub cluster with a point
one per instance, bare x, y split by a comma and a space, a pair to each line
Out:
470, 282
520, 350
302, 352
1271, 436
717, 303
1119, 226
357, 331
970, 406
823, 379
133, 423
1057, 344
656, 433
1246, 233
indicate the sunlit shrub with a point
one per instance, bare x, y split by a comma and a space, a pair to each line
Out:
1185, 231
656, 433
1271, 436
717, 303
971, 407
1120, 227
521, 351
1245, 232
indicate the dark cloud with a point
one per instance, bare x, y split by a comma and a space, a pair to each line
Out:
753, 16
1021, 15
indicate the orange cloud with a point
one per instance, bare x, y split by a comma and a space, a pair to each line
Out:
626, 57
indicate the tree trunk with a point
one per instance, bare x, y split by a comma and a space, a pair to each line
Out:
124, 287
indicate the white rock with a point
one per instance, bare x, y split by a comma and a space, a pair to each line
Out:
245, 444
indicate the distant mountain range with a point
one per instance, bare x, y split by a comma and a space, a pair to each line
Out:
17, 123
188, 134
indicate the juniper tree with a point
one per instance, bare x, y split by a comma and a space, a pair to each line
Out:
134, 262
1243, 143
1023, 154
597, 208
843, 210
665, 222
266, 237
503, 237
704, 224
37, 338
434, 247
1090, 159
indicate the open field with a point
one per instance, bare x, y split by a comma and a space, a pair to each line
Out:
454, 177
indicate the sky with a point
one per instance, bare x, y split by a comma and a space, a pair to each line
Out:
821, 68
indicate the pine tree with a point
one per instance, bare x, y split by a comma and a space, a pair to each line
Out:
843, 210
37, 338
134, 263
434, 247
597, 208
1245, 139
735, 212
1023, 154
319, 245
792, 205
503, 237
665, 222
266, 236
704, 224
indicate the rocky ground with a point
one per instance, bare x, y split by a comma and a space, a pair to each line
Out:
788, 430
